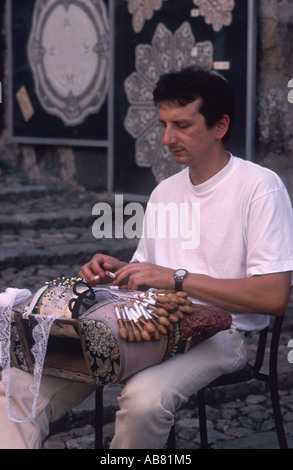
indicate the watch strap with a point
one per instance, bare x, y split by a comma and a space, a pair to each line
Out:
179, 278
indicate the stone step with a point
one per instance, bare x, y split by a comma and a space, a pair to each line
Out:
61, 218
45, 226
22, 254
16, 192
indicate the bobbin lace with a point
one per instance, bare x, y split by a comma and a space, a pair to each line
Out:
40, 332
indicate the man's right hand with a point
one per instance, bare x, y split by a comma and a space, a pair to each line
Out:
95, 271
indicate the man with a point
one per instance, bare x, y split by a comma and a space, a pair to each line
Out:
242, 261
240, 204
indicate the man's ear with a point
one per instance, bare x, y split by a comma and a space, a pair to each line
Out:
222, 127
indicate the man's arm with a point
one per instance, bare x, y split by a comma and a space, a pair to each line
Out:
268, 293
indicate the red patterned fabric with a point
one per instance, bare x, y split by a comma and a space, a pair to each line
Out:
203, 323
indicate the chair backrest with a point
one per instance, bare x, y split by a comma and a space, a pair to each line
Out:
261, 347
274, 346
275, 340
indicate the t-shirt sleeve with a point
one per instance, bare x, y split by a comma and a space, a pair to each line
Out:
269, 234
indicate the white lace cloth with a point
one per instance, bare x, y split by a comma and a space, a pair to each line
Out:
9, 298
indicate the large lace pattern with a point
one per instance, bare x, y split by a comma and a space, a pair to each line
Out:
41, 331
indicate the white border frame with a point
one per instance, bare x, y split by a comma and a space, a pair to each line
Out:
69, 142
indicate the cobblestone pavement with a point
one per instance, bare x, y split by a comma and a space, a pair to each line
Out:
46, 232
239, 416
242, 423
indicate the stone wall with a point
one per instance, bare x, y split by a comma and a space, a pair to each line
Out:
275, 69
2, 52
87, 168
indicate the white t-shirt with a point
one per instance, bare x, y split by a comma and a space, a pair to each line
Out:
237, 224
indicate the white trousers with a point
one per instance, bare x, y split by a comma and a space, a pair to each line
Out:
57, 396
148, 400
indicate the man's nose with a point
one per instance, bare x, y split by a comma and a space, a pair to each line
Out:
169, 136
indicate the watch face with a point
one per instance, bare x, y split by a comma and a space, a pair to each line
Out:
180, 272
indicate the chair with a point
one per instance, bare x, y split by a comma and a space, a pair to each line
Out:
249, 372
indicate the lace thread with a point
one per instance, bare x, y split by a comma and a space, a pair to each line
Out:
40, 332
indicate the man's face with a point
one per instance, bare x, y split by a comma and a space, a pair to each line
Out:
186, 133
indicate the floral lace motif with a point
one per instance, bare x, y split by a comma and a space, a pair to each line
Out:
166, 52
216, 12
142, 10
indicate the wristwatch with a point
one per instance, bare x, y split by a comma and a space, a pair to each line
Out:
179, 275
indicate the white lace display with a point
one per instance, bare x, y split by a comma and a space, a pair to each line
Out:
40, 332
166, 51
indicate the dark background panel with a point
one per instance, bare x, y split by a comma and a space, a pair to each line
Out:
42, 125
2, 52
230, 44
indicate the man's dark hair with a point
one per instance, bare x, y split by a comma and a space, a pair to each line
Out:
192, 83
